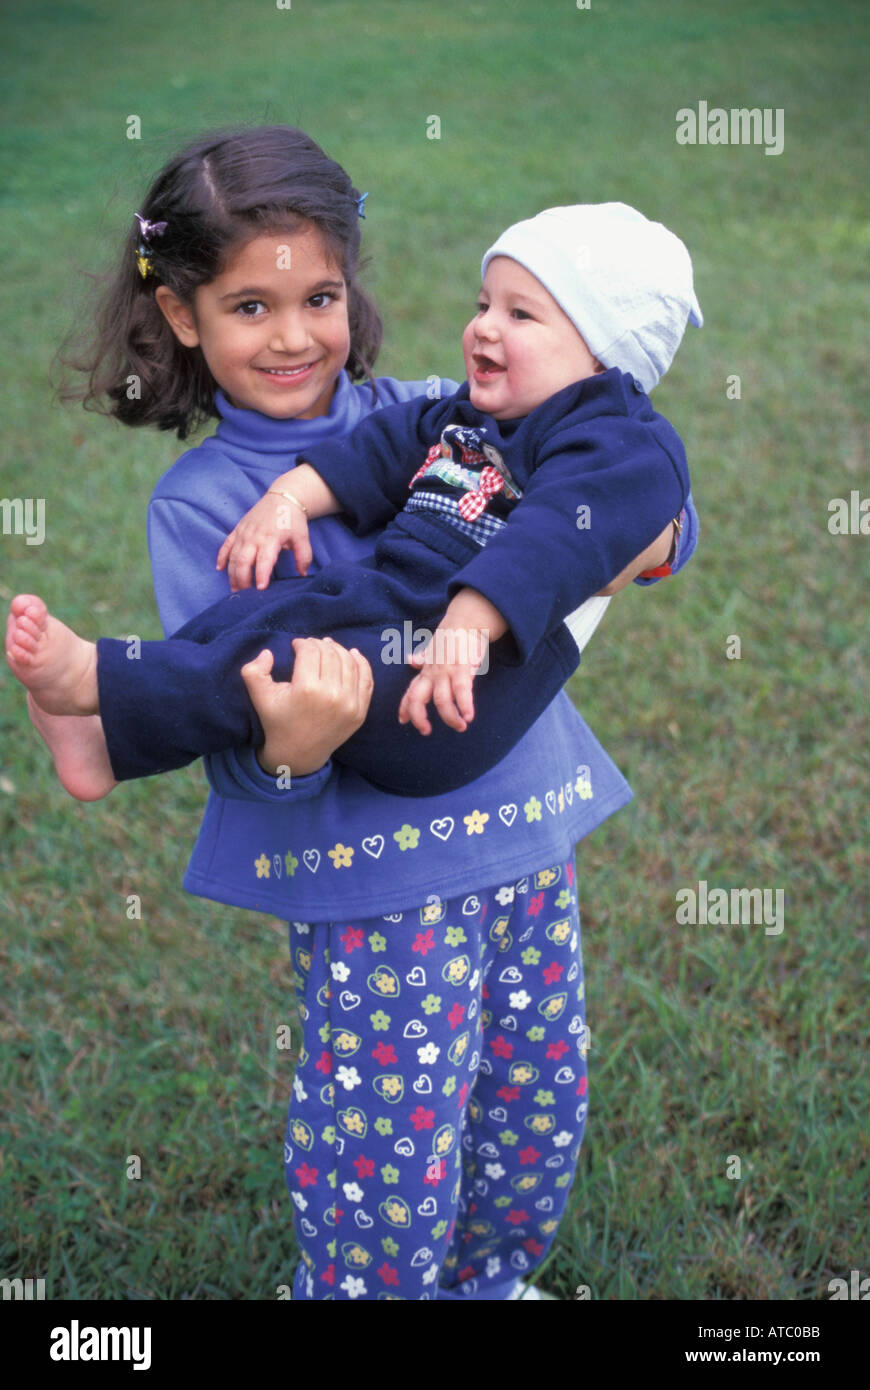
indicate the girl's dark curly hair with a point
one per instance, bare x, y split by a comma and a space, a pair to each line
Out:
225, 188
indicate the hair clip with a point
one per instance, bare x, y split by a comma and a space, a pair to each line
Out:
147, 230
360, 203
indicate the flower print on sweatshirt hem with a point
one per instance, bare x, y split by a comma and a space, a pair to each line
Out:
477, 822
341, 856
407, 837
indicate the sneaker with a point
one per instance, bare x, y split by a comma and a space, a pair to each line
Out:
529, 1293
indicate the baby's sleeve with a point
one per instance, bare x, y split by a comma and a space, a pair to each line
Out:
597, 498
370, 469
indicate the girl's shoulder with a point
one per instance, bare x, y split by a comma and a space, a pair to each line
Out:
201, 467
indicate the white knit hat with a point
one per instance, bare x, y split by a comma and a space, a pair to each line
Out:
624, 282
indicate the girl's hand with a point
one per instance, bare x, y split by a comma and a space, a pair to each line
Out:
272, 525
448, 682
307, 718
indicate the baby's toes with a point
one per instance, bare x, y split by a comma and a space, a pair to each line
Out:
19, 642
30, 605
30, 629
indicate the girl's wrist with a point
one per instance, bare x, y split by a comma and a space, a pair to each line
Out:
274, 764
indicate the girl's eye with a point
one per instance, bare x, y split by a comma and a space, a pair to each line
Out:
249, 305
325, 298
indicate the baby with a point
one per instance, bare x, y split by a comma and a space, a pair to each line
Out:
531, 488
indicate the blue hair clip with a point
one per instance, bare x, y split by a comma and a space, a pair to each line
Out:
360, 203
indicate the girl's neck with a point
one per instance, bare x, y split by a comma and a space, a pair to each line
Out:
251, 429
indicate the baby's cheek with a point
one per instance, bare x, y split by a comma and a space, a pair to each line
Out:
468, 346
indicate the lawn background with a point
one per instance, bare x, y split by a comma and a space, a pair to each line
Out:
157, 1037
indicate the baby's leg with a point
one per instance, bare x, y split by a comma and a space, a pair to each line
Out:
508, 698
58, 667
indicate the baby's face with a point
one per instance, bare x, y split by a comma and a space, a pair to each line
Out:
520, 347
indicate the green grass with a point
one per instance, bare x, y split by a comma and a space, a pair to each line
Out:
156, 1037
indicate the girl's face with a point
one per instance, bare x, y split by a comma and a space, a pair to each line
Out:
272, 327
520, 347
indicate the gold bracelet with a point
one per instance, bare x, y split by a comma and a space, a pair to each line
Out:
279, 492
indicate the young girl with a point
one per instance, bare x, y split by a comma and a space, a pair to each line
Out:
439, 1098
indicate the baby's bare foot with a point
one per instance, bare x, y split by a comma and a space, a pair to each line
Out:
58, 667
78, 747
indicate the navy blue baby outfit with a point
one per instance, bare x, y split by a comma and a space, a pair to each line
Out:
599, 474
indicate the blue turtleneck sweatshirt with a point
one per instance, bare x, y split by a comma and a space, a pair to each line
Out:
331, 846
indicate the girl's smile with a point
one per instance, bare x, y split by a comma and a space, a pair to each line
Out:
272, 326
291, 376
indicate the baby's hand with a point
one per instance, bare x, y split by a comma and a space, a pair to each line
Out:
272, 525
447, 682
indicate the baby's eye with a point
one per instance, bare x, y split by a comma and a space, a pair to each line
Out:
481, 307
520, 314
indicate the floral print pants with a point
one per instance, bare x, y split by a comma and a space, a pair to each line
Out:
440, 1094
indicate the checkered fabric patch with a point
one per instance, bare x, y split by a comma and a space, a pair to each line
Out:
481, 530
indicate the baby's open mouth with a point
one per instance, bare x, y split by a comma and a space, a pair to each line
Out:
483, 363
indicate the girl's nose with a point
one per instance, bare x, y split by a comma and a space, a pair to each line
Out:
289, 334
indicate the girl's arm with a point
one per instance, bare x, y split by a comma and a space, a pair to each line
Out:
656, 556
183, 540
684, 547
